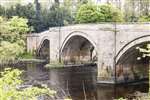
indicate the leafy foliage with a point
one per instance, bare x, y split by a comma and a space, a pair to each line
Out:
9, 87
13, 29
136, 10
12, 37
54, 16
18, 25
9, 51
88, 13
144, 18
110, 13
27, 55
2, 10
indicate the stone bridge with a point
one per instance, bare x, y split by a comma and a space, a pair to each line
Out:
111, 46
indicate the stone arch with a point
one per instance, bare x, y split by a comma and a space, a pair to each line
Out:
132, 43
85, 35
43, 51
128, 67
78, 45
41, 42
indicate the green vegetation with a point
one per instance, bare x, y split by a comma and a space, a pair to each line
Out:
42, 17
13, 29
54, 65
47, 17
144, 18
88, 13
12, 37
111, 13
9, 51
134, 10
18, 20
121, 99
10, 81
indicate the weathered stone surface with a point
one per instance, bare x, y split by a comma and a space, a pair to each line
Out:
110, 43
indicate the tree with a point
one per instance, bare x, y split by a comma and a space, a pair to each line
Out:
88, 13
111, 13
14, 29
2, 10
144, 18
12, 37
41, 19
135, 9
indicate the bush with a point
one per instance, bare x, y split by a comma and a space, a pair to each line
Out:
13, 29
88, 13
12, 37
27, 55
110, 13
10, 82
10, 51
144, 18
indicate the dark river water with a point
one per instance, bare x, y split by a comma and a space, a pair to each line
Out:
77, 82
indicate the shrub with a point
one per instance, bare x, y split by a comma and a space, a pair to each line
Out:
110, 13
144, 18
12, 37
88, 13
13, 29
9, 51
10, 81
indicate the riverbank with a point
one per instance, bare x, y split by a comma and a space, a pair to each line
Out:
19, 61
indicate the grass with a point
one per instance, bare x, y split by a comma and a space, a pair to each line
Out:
54, 65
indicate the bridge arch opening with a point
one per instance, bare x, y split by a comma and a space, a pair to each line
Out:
78, 50
130, 68
44, 50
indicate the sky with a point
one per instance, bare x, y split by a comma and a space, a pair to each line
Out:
11, 2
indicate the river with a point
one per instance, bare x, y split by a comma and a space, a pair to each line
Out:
77, 82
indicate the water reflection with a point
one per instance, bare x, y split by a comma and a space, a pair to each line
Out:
77, 82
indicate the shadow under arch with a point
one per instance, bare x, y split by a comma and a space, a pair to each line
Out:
128, 67
132, 43
78, 48
43, 52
